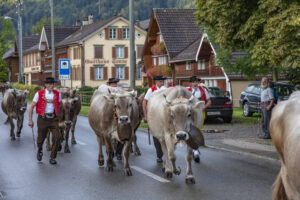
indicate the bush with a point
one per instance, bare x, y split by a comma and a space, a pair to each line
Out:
85, 89
31, 88
140, 89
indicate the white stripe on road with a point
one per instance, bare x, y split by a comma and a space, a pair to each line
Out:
81, 143
151, 175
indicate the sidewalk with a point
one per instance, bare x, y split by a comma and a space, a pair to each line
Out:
238, 138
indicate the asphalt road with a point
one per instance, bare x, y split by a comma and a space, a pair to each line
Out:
219, 176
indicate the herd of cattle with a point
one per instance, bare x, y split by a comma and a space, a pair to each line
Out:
173, 115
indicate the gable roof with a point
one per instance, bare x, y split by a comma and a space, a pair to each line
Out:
178, 28
188, 53
144, 24
28, 41
9, 53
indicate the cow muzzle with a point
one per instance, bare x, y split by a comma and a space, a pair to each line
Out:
23, 109
68, 123
124, 120
182, 135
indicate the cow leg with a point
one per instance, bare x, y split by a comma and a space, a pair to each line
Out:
189, 178
73, 130
61, 139
172, 157
166, 167
48, 145
100, 154
137, 151
19, 124
67, 149
109, 153
12, 129
127, 170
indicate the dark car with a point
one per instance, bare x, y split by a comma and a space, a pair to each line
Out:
221, 106
250, 97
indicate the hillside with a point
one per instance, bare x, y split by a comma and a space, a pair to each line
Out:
68, 11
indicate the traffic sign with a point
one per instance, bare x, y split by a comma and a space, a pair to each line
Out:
64, 69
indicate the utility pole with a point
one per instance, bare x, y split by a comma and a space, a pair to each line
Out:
52, 40
19, 10
132, 49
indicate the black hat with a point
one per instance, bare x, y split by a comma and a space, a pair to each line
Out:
194, 79
159, 77
50, 80
113, 80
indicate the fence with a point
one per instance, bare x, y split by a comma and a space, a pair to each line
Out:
85, 97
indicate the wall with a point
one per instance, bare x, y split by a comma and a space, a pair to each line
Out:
237, 86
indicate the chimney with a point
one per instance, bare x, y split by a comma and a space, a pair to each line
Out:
77, 22
85, 21
90, 18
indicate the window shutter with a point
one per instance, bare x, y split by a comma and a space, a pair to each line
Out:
101, 51
71, 70
75, 77
126, 52
79, 73
140, 51
113, 71
98, 51
106, 33
92, 73
126, 73
114, 52
105, 73
120, 33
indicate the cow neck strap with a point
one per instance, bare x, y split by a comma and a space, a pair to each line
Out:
115, 114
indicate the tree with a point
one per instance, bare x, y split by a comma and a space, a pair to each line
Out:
268, 30
37, 28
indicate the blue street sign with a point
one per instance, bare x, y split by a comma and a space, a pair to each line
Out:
64, 69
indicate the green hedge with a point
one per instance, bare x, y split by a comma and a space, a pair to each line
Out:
31, 88
140, 89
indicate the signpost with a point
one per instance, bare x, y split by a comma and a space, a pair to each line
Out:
64, 70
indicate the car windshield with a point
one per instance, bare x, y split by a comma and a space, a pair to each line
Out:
216, 92
284, 90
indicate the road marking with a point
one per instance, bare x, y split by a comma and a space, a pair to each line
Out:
151, 175
81, 143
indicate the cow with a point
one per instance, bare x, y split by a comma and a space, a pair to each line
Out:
69, 110
285, 133
113, 116
14, 105
4, 87
170, 114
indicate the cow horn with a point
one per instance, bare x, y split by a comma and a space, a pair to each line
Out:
109, 91
168, 102
191, 98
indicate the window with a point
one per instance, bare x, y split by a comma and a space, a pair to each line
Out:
112, 33
76, 53
78, 73
98, 72
215, 83
139, 51
162, 60
34, 59
38, 59
188, 66
70, 53
139, 73
31, 59
138, 35
126, 33
161, 39
154, 61
98, 51
73, 72
201, 64
119, 52
120, 73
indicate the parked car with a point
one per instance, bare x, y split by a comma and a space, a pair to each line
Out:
221, 106
250, 97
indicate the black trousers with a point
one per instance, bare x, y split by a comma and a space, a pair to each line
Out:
265, 119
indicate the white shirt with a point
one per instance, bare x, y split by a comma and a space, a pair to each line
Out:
197, 93
48, 96
149, 92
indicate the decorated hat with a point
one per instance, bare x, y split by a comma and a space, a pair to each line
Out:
159, 77
113, 80
194, 79
50, 80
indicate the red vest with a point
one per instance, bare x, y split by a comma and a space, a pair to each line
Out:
202, 90
154, 88
42, 102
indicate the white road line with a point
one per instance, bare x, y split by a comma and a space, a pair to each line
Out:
151, 175
81, 143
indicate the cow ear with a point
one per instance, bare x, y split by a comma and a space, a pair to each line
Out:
109, 98
199, 105
26, 92
14, 92
167, 101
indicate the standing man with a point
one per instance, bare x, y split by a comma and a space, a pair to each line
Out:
201, 94
47, 102
159, 85
267, 102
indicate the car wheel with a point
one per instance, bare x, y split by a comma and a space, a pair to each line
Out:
246, 110
227, 119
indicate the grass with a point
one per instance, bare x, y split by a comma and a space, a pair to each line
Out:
84, 110
238, 117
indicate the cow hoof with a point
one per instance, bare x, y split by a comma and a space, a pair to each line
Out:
67, 150
190, 180
48, 148
13, 138
74, 142
137, 153
163, 170
110, 168
127, 172
18, 134
168, 174
59, 148
177, 172
100, 162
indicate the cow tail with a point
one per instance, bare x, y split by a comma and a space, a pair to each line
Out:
278, 189
7, 121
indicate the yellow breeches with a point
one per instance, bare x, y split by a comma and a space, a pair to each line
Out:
202, 121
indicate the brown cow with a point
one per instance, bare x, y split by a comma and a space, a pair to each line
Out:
285, 133
14, 105
69, 110
114, 116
